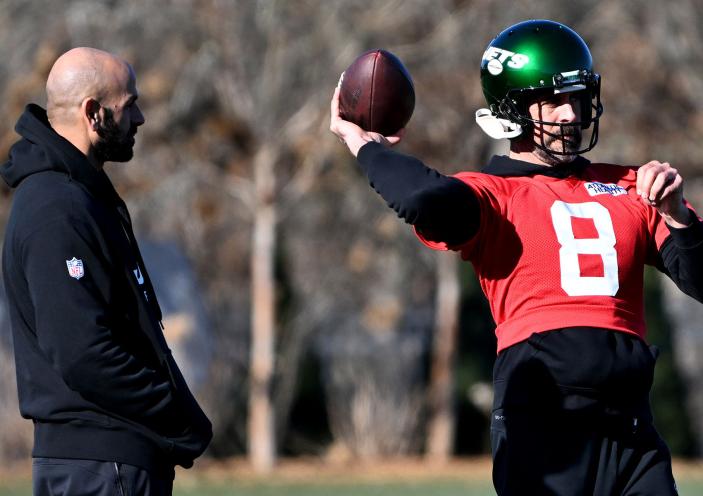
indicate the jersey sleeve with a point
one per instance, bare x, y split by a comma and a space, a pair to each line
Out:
488, 194
443, 208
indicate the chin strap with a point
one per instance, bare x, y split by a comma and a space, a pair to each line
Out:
496, 128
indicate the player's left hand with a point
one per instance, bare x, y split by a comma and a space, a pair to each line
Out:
661, 186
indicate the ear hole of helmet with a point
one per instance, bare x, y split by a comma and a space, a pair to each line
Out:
514, 109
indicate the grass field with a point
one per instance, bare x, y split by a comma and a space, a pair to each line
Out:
403, 478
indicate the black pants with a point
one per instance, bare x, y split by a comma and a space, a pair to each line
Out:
572, 456
571, 418
68, 477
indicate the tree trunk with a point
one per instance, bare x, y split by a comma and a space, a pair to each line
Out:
261, 426
441, 423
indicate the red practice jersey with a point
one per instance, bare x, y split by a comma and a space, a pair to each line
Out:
553, 253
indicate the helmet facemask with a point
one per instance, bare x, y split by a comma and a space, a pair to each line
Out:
515, 108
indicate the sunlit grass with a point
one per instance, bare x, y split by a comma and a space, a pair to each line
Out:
300, 478
437, 488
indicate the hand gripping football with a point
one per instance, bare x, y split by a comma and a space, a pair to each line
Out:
377, 93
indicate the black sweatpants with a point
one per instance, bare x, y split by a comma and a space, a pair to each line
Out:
570, 456
571, 417
69, 477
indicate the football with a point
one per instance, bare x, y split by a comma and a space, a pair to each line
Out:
377, 93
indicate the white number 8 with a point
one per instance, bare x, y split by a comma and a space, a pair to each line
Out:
604, 245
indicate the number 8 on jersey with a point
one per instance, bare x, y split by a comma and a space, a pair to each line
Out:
604, 245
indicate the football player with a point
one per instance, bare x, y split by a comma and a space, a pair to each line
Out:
559, 245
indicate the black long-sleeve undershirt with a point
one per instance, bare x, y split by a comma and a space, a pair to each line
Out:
445, 209
682, 258
442, 208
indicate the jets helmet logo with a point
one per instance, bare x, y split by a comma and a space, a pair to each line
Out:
496, 57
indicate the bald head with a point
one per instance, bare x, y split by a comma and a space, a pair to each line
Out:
91, 102
83, 73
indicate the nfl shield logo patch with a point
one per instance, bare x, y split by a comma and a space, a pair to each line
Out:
75, 268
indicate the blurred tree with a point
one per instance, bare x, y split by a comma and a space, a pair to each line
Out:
268, 61
668, 392
441, 424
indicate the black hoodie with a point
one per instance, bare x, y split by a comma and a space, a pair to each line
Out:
94, 371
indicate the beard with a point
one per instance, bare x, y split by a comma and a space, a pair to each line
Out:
114, 146
566, 144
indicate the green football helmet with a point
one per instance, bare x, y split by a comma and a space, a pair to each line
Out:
534, 59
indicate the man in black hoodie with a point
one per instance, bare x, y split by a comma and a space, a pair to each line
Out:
112, 413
